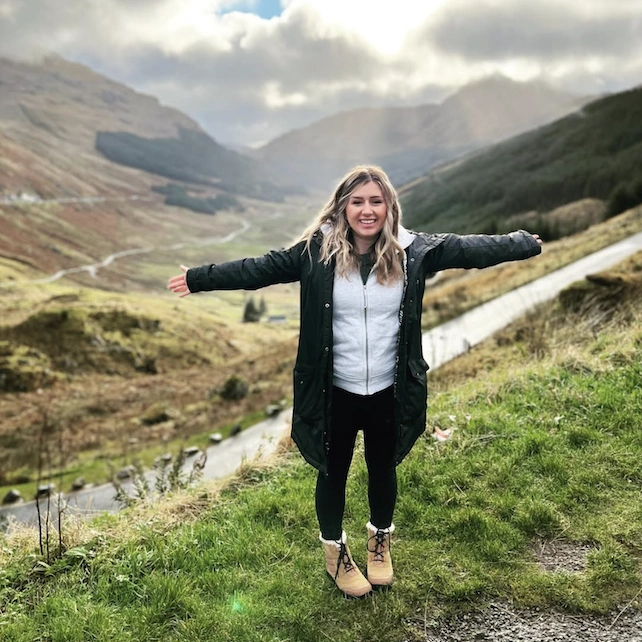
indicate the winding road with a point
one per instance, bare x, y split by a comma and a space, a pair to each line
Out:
449, 340
32, 199
94, 267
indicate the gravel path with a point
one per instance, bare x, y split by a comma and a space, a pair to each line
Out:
499, 623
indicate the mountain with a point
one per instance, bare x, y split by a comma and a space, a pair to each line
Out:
58, 113
407, 141
89, 167
595, 153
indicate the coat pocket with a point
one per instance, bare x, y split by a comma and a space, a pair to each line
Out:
308, 392
416, 393
418, 369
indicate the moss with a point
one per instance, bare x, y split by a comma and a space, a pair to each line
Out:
124, 322
157, 413
77, 339
22, 368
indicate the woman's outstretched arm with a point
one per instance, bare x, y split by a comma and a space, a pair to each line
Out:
278, 266
483, 250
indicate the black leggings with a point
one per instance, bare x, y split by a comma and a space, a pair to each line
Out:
375, 415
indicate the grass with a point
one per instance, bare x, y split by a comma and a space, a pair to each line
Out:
201, 342
98, 400
546, 446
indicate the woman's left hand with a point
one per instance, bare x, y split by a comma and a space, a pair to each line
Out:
178, 284
537, 238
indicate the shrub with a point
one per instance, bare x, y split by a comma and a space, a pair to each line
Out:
234, 388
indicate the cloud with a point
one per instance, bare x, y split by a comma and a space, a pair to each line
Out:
247, 79
540, 30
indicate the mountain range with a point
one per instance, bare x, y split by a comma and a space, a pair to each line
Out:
66, 129
527, 181
67, 132
408, 141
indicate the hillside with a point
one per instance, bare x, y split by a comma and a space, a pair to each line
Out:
127, 375
67, 119
81, 351
65, 204
524, 525
407, 141
595, 153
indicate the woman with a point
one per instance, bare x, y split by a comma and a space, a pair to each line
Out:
359, 363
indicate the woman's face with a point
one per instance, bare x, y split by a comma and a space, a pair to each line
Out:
366, 213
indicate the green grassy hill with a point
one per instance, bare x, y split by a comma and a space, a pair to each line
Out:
594, 153
546, 449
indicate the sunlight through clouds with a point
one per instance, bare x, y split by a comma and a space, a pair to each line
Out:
248, 70
383, 26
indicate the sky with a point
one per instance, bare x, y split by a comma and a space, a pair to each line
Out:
250, 70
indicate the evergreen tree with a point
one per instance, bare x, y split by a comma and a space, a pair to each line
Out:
251, 313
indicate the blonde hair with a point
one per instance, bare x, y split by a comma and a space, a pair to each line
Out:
337, 240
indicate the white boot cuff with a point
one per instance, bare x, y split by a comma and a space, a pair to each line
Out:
336, 542
374, 529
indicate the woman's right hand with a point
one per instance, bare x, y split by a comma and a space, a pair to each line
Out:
178, 284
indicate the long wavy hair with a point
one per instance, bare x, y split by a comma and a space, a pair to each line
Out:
337, 241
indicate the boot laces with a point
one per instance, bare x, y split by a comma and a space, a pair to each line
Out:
379, 545
345, 559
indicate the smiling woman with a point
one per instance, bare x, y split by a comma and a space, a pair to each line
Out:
366, 214
359, 364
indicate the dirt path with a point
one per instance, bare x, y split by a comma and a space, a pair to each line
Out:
501, 623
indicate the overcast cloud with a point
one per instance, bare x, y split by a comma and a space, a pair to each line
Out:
247, 79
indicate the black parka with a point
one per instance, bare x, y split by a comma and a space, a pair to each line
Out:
428, 253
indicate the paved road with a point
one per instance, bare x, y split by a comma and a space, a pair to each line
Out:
449, 340
31, 199
222, 460
440, 345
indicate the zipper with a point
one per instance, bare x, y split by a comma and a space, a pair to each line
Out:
401, 311
365, 325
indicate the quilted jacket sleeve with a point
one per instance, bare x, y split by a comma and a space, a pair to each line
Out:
482, 250
282, 266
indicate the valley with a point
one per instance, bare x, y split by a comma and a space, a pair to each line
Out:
95, 350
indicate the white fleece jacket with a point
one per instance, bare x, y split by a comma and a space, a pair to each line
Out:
365, 325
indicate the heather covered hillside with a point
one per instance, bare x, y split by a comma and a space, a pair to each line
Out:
90, 168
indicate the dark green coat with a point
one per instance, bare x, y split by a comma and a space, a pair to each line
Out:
428, 253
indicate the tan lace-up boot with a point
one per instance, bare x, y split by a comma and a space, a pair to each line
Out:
342, 569
379, 561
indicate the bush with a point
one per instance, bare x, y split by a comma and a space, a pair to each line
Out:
234, 388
